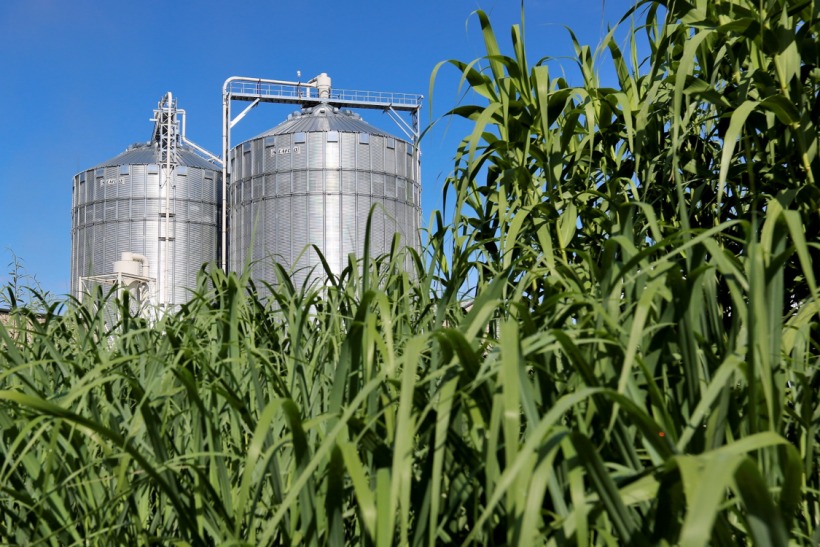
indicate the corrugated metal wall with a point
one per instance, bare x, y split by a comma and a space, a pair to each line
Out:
292, 190
117, 208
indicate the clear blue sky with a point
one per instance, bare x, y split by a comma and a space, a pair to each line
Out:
80, 79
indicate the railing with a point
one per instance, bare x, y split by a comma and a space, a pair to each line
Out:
240, 90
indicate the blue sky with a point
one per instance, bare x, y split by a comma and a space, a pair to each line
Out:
80, 79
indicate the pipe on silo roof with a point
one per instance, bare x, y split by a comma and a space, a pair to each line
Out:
323, 85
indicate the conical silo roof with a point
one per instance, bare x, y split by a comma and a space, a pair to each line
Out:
323, 118
149, 153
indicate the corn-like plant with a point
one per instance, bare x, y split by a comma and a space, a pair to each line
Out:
615, 339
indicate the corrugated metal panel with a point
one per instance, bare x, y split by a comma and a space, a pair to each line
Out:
331, 155
256, 228
332, 181
362, 210
348, 142
270, 186
200, 212
299, 235
123, 236
258, 157
298, 219
79, 195
284, 157
390, 159
299, 182
377, 144
247, 230
260, 229
363, 156
349, 228
401, 222
195, 212
316, 221
209, 188
316, 148
181, 257
109, 233
181, 210
377, 235
195, 179
112, 186
283, 231
326, 199
378, 184
411, 160
315, 181
270, 235
152, 208
245, 164
391, 226
283, 184
333, 232
138, 180
96, 253
234, 251
270, 157
349, 182
241, 195
363, 182
299, 156
390, 186
91, 188
235, 247
152, 185
401, 159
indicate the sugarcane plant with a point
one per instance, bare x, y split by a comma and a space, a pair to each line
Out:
609, 337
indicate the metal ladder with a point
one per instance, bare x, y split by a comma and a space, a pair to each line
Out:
166, 134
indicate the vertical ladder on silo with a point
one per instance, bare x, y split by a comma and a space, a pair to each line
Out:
166, 134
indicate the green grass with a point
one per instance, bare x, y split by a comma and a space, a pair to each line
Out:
638, 362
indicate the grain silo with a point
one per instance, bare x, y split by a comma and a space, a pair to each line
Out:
313, 180
149, 216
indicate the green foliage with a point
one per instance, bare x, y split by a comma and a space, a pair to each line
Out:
636, 363
23, 289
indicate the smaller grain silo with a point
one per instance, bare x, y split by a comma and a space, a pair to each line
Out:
147, 218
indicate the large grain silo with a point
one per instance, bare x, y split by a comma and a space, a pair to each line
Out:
312, 180
148, 216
